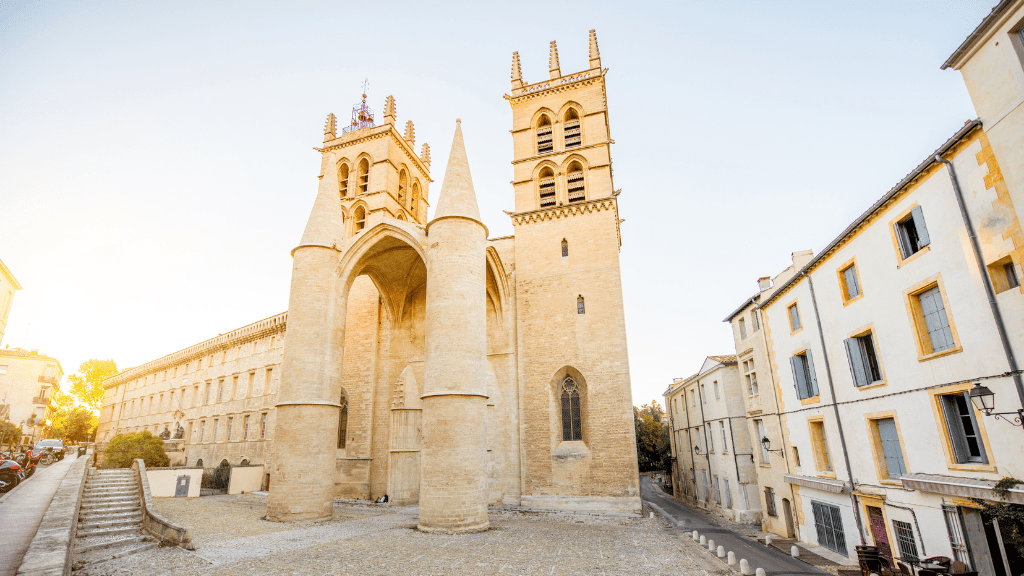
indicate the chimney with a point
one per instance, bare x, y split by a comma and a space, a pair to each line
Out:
764, 283
801, 258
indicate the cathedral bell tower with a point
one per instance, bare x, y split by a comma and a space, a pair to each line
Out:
578, 423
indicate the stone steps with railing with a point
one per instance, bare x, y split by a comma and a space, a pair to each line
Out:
110, 519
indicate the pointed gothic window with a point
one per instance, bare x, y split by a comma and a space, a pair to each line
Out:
414, 198
343, 180
360, 218
579, 305
565, 248
545, 139
574, 183
546, 186
403, 185
363, 176
572, 428
571, 129
343, 420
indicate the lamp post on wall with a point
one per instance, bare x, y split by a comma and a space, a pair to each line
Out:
984, 400
767, 445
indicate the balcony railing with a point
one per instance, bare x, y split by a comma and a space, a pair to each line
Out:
48, 379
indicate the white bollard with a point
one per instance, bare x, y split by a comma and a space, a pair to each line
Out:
732, 558
711, 545
703, 540
744, 567
760, 572
721, 552
794, 551
768, 539
652, 515
695, 535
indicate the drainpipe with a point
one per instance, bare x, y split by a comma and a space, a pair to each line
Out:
985, 280
835, 408
916, 525
707, 454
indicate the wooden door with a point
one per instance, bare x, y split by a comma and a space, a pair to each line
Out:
879, 533
787, 511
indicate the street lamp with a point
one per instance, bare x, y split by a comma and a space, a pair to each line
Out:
984, 400
767, 445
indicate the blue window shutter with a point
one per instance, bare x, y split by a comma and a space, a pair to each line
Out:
799, 378
852, 288
922, 231
856, 361
901, 237
954, 427
894, 464
812, 381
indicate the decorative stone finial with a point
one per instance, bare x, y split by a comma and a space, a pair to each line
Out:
517, 72
553, 67
389, 110
410, 133
425, 154
595, 54
331, 128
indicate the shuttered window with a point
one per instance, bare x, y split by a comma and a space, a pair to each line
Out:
743, 328
546, 187
803, 376
940, 335
794, 318
829, 525
911, 233
571, 130
760, 436
574, 184
728, 493
850, 283
860, 351
891, 449
963, 429
769, 501
545, 140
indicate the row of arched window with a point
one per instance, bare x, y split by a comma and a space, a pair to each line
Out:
575, 184
359, 183
572, 132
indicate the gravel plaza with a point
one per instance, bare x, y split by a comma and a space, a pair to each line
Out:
231, 538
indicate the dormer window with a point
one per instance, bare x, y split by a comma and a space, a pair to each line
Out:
571, 129
343, 180
574, 183
546, 186
545, 139
363, 176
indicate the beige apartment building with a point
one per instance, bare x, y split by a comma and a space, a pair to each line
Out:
424, 359
8, 286
29, 381
710, 443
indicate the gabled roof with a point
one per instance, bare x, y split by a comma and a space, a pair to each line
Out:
743, 307
986, 23
724, 359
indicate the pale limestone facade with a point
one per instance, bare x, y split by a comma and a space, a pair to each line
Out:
715, 469
8, 286
29, 381
426, 361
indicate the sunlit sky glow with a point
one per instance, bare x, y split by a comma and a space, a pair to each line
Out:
156, 161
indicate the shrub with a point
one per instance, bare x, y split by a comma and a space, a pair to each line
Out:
125, 448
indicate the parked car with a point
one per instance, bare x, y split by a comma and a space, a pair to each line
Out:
52, 450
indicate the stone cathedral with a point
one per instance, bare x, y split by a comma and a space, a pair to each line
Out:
430, 362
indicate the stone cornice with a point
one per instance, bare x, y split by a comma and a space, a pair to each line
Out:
565, 153
563, 211
389, 129
556, 85
254, 331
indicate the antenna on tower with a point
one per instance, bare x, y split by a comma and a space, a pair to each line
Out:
362, 114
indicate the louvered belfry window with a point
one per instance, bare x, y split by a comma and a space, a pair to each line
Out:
571, 426
571, 130
343, 180
574, 184
364, 176
545, 138
546, 185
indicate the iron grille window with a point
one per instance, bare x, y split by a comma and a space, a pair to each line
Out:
769, 501
905, 540
576, 188
955, 529
829, 525
571, 422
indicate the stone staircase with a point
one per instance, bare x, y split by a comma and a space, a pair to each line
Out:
110, 518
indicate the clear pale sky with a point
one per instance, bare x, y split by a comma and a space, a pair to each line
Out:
156, 161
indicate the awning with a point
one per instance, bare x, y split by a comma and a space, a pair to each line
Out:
826, 484
958, 486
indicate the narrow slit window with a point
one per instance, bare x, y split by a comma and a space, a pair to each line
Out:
364, 176
580, 309
545, 138
403, 185
343, 180
565, 248
575, 184
343, 420
546, 187
571, 129
414, 198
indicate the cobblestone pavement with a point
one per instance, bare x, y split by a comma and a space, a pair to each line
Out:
231, 540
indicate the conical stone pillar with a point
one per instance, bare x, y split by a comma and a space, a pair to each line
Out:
453, 453
303, 467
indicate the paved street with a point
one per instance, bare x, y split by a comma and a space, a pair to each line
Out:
759, 556
23, 509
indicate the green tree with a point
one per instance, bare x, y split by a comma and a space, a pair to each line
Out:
651, 436
125, 448
73, 424
9, 433
87, 383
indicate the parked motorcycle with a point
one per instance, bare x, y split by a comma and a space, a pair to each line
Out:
28, 461
11, 475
